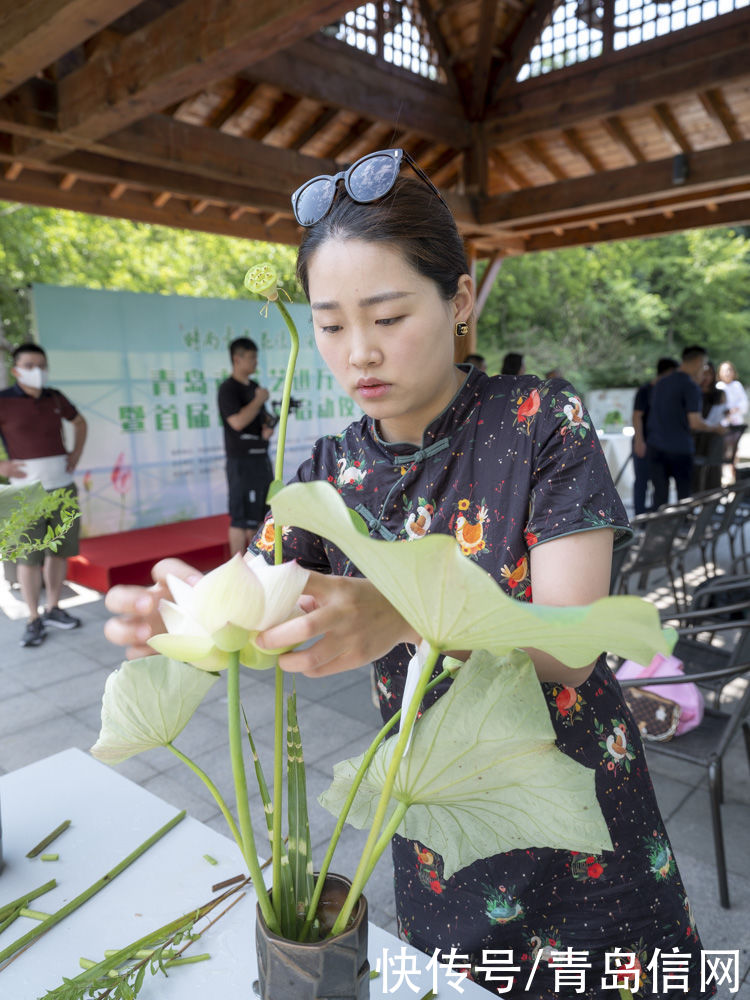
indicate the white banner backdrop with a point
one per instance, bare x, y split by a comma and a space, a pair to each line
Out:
144, 371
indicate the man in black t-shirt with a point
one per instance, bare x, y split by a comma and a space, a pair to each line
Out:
247, 429
676, 408
641, 407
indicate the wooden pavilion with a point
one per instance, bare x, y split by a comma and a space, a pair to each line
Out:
546, 123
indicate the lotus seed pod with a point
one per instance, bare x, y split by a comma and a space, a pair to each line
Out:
263, 279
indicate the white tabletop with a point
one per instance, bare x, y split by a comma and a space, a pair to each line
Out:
111, 816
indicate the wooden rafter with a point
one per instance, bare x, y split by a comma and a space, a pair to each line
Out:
323, 118
480, 81
234, 105
534, 151
37, 32
633, 78
518, 47
514, 177
619, 134
669, 125
576, 145
432, 23
336, 75
197, 42
706, 168
716, 108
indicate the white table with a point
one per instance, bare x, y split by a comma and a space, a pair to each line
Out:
111, 816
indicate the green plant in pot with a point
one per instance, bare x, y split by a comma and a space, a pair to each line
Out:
467, 797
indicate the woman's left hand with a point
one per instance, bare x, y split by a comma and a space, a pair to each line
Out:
354, 622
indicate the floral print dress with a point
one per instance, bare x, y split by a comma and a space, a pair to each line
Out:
511, 463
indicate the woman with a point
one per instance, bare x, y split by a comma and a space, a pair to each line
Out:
709, 448
512, 468
736, 415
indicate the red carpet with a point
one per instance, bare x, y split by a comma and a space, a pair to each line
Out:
127, 557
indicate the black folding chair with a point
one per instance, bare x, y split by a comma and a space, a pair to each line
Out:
706, 745
652, 548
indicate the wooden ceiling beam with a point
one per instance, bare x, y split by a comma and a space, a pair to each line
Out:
620, 135
576, 145
715, 107
235, 105
534, 151
13, 172
275, 117
514, 177
633, 78
488, 280
324, 117
640, 209
35, 33
482, 59
338, 76
42, 189
197, 42
432, 22
520, 45
666, 121
706, 169
731, 213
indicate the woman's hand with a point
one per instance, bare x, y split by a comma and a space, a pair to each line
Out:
137, 608
356, 625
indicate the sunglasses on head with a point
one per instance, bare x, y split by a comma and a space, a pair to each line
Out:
368, 179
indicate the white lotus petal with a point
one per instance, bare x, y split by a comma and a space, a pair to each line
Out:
146, 704
189, 648
282, 586
230, 638
416, 665
178, 622
182, 593
257, 659
230, 594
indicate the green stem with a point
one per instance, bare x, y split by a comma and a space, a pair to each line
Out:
7, 908
278, 557
364, 866
247, 840
385, 838
83, 897
356, 782
48, 839
213, 790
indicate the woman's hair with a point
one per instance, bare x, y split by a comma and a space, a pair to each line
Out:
409, 218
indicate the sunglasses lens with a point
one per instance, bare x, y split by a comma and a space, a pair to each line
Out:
373, 178
314, 201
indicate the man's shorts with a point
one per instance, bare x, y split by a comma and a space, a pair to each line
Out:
249, 478
68, 545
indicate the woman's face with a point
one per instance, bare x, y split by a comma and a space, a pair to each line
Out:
727, 372
386, 333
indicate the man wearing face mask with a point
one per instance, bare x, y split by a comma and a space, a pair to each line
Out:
31, 417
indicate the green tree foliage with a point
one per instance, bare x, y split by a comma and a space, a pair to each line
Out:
604, 315
69, 248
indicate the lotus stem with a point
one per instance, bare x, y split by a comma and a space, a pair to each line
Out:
83, 897
48, 839
218, 798
247, 840
390, 779
357, 781
278, 558
15, 904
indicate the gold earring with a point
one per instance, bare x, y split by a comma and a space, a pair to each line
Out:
462, 329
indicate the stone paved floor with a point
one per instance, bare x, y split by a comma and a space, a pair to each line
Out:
51, 700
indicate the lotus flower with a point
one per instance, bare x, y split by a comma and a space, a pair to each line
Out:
226, 609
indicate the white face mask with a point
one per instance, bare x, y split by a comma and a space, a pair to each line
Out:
34, 378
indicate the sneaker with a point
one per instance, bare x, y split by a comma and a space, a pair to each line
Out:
58, 618
34, 633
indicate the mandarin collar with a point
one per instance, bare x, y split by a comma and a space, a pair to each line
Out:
454, 414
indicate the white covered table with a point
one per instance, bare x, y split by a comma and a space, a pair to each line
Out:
111, 816
617, 448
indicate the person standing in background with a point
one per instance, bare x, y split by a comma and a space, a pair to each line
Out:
478, 360
247, 430
513, 364
736, 416
675, 414
31, 417
641, 406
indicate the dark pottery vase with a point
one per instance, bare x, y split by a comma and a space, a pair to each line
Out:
332, 968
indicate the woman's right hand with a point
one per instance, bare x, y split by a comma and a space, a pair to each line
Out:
136, 609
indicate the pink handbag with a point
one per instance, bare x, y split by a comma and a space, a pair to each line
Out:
687, 696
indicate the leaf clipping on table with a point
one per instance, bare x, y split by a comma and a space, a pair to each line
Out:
454, 604
483, 775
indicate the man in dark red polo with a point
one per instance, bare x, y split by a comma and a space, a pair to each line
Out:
31, 429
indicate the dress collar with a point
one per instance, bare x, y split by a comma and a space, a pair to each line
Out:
440, 429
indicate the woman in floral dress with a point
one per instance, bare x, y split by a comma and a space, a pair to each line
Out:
511, 467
